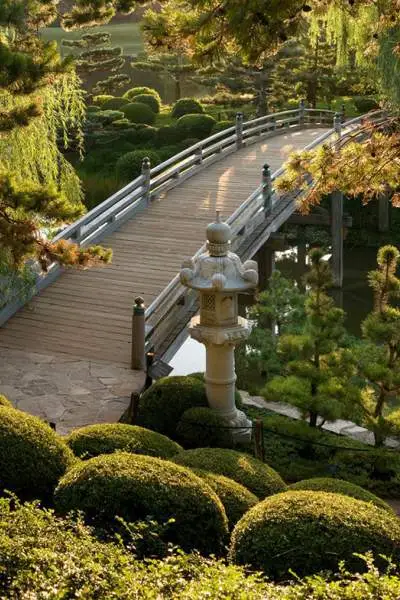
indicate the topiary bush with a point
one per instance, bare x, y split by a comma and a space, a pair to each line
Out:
168, 136
106, 438
105, 117
115, 103
221, 125
129, 166
92, 108
134, 487
137, 91
364, 104
188, 142
141, 134
137, 112
121, 124
101, 99
255, 475
32, 456
339, 486
308, 532
186, 106
163, 404
197, 126
151, 101
237, 499
5, 401
201, 427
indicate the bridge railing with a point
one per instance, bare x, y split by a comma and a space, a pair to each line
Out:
163, 312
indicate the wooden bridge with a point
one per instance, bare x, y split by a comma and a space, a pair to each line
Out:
152, 225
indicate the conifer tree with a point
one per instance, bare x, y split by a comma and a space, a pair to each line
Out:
169, 65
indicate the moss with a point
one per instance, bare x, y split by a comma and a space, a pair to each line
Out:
253, 474
134, 487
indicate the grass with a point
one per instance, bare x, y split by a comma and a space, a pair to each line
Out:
126, 35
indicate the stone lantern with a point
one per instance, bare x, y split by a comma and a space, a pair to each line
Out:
219, 275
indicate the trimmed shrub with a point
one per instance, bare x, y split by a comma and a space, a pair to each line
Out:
150, 100
168, 136
364, 104
115, 103
32, 456
190, 142
5, 401
142, 134
186, 106
221, 125
255, 475
134, 487
137, 91
168, 151
201, 427
121, 124
162, 405
106, 438
92, 108
201, 377
198, 126
137, 112
308, 532
129, 166
237, 499
339, 486
105, 117
102, 99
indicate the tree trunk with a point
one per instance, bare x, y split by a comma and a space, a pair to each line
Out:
178, 88
313, 419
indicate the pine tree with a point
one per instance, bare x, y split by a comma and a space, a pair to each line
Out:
169, 65
316, 366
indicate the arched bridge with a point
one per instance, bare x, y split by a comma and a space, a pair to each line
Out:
152, 224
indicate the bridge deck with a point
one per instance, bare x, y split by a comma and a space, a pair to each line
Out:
87, 314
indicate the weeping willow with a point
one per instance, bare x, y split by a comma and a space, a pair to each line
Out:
32, 152
389, 65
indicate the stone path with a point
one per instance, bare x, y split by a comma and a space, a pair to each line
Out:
64, 390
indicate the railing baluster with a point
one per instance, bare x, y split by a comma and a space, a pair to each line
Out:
267, 188
146, 166
239, 130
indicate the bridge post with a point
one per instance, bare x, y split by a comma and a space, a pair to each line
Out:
239, 130
146, 173
337, 238
343, 113
266, 188
337, 124
302, 111
138, 358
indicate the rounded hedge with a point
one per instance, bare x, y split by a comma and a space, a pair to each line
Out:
339, 486
236, 499
186, 106
168, 135
106, 438
201, 427
138, 91
308, 532
134, 487
221, 125
142, 134
196, 126
163, 404
32, 456
115, 103
102, 99
255, 475
137, 112
150, 100
5, 401
364, 104
129, 166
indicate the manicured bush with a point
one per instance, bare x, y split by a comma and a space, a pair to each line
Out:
196, 125
255, 475
115, 103
129, 166
186, 106
221, 125
92, 108
121, 124
237, 499
168, 136
105, 117
150, 100
5, 401
137, 91
106, 438
339, 486
137, 112
162, 405
364, 104
201, 427
134, 487
307, 532
101, 99
167, 152
190, 142
32, 456
141, 134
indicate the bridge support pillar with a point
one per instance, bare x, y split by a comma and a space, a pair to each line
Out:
265, 258
138, 358
337, 238
383, 212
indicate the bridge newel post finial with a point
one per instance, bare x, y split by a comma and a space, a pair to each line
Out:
138, 358
266, 188
146, 167
337, 124
239, 130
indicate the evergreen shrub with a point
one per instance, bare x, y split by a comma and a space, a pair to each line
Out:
201, 427
102, 99
364, 104
221, 125
121, 124
168, 136
188, 142
92, 108
115, 103
134, 487
137, 112
129, 166
142, 134
198, 126
32, 456
253, 474
137, 91
167, 152
105, 117
106, 438
186, 106
5, 401
236, 499
307, 532
150, 100
339, 486
163, 404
